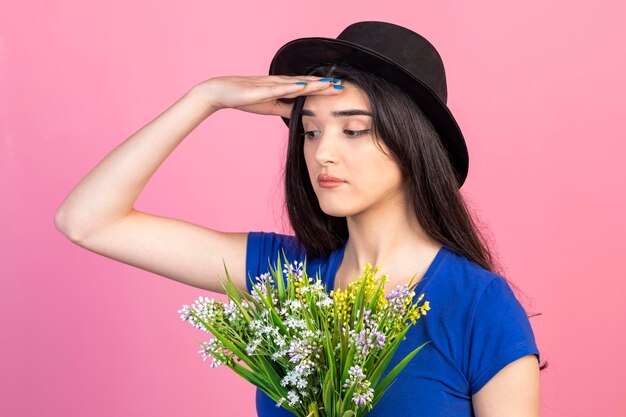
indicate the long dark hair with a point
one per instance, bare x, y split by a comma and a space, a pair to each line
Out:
429, 178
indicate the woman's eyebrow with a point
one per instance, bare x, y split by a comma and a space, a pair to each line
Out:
339, 113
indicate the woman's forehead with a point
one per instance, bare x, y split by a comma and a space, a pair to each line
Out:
351, 98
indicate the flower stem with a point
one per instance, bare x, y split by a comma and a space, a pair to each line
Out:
313, 411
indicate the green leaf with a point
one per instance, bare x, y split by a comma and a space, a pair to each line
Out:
358, 303
227, 343
233, 294
376, 296
387, 354
280, 284
347, 364
328, 394
263, 382
253, 301
255, 379
268, 306
273, 376
347, 399
392, 374
382, 392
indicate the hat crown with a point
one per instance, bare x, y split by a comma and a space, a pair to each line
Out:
403, 46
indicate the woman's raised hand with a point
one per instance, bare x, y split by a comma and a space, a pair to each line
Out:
261, 94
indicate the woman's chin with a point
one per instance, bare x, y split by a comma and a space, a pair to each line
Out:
336, 211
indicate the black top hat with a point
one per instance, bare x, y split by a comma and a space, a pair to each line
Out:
394, 53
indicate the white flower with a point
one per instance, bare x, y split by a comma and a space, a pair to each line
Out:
294, 323
231, 311
253, 346
255, 325
212, 345
325, 302
204, 307
279, 354
293, 397
280, 341
318, 286
295, 269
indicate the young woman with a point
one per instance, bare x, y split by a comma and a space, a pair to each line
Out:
374, 167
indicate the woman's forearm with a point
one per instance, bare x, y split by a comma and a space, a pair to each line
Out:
109, 191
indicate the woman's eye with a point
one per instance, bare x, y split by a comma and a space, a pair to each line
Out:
309, 133
354, 133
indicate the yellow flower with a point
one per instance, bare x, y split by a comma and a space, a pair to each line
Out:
414, 315
344, 300
298, 284
425, 307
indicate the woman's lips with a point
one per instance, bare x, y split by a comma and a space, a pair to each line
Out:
328, 178
329, 181
331, 184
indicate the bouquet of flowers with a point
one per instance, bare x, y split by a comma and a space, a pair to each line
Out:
313, 353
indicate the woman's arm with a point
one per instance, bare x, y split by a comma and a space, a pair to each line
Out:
513, 392
109, 191
98, 214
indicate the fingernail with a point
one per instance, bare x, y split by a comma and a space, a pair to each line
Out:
338, 87
301, 83
333, 80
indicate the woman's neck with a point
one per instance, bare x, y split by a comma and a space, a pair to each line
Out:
395, 241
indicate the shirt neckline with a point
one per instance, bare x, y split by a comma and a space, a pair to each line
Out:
340, 251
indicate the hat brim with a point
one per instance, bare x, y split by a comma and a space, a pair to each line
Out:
296, 56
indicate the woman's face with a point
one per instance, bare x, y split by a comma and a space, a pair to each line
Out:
343, 146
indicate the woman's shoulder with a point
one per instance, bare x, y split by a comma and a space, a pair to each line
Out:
495, 327
265, 249
466, 275
274, 239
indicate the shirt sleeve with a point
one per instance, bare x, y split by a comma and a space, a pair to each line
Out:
500, 333
263, 249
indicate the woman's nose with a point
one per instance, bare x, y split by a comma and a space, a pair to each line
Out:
327, 147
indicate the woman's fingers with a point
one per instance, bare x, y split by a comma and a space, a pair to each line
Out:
283, 108
309, 79
297, 77
266, 94
314, 92
295, 89
284, 102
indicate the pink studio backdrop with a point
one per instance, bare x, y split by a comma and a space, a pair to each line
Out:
537, 88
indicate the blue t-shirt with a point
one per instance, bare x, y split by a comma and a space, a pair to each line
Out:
476, 326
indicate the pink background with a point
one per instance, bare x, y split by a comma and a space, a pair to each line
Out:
537, 88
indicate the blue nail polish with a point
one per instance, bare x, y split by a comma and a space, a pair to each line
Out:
338, 87
301, 83
327, 80
336, 80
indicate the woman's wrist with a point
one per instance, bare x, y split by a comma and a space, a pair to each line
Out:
203, 92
